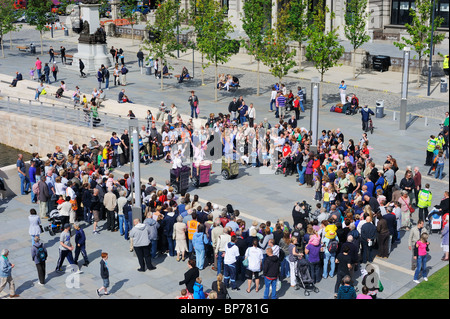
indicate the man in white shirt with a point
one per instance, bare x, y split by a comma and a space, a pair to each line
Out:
231, 256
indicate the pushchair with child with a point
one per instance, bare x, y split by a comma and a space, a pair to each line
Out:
56, 223
303, 277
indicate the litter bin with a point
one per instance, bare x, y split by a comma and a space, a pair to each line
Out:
444, 85
148, 70
379, 111
66, 32
381, 62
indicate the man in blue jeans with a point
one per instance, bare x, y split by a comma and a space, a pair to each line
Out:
24, 181
270, 271
32, 178
230, 258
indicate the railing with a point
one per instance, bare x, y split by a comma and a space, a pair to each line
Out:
69, 114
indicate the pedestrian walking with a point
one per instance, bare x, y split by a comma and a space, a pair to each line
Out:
81, 65
55, 71
420, 254
6, 274
104, 273
105, 72
47, 73
65, 250
51, 52
39, 255
80, 244
35, 228
99, 78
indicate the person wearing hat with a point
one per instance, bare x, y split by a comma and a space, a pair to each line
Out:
329, 257
65, 250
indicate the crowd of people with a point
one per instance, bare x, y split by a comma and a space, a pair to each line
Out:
359, 207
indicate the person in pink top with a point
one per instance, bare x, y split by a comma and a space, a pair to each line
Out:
364, 293
421, 257
38, 66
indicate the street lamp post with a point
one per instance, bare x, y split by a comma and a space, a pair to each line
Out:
314, 119
404, 101
133, 125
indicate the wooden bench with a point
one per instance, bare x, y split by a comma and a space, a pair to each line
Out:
23, 48
186, 78
167, 75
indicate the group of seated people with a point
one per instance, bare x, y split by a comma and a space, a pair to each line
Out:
227, 81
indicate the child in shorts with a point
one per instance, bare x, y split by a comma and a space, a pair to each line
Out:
104, 273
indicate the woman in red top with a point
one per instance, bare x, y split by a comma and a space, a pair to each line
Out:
364, 149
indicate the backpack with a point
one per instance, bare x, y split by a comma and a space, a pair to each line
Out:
41, 254
385, 184
53, 68
35, 188
332, 246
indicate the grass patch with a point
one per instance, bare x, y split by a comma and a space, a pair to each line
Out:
435, 288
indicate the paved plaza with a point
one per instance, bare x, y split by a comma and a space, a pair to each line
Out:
258, 196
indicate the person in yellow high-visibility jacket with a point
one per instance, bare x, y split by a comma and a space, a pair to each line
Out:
425, 196
446, 65
431, 145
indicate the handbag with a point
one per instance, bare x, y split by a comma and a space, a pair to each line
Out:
411, 209
245, 262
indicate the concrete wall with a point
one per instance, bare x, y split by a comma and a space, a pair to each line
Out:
34, 135
37, 135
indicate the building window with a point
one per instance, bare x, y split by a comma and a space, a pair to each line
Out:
442, 10
226, 4
400, 11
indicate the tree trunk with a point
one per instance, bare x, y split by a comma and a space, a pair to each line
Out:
203, 72
42, 47
132, 34
10, 40
258, 81
419, 71
1, 44
354, 63
162, 75
300, 49
215, 83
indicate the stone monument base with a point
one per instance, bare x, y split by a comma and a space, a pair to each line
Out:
93, 56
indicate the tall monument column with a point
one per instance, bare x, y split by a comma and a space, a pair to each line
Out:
92, 47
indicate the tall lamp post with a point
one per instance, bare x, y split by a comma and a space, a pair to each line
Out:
404, 101
133, 125
314, 119
431, 49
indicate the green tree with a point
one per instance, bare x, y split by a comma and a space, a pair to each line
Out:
213, 29
166, 27
420, 32
8, 16
276, 54
323, 47
128, 11
254, 22
298, 22
356, 18
37, 14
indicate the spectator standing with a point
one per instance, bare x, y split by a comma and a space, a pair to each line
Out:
39, 255
6, 274
35, 225
24, 181
140, 241
421, 256
231, 254
271, 271
254, 256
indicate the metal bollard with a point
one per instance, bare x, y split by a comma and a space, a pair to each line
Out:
394, 116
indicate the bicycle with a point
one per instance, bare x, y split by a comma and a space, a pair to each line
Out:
370, 125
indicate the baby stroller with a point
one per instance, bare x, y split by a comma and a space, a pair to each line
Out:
56, 223
434, 223
303, 277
